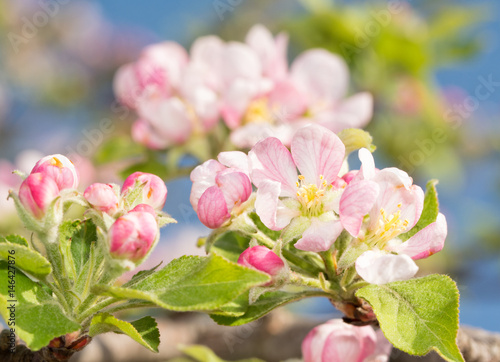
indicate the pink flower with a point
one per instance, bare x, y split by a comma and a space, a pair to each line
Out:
132, 235
336, 341
102, 197
308, 200
263, 259
60, 169
143, 133
158, 71
154, 192
37, 192
395, 210
218, 189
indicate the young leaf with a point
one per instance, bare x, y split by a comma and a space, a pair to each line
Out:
143, 331
429, 213
26, 259
37, 316
205, 354
15, 239
266, 303
418, 315
191, 283
230, 245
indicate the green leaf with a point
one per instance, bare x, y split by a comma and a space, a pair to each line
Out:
354, 139
429, 213
205, 354
260, 225
118, 149
266, 303
38, 317
191, 283
141, 275
149, 166
24, 258
230, 245
418, 315
143, 331
15, 239
236, 307
75, 240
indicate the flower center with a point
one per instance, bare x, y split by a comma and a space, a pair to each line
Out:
258, 112
311, 196
387, 228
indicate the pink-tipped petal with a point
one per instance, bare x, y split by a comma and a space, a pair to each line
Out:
154, 192
356, 201
271, 160
236, 160
377, 267
60, 169
317, 152
320, 75
37, 192
320, 236
102, 197
270, 208
235, 186
263, 259
212, 208
427, 241
203, 177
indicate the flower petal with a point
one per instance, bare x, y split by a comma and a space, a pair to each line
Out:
235, 186
212, 208
353, 112
320, 236
427, 241
320, 75
270, 160
367, 164
235, 159
271, 210
377, 267
203, 177
356, 201
317, 151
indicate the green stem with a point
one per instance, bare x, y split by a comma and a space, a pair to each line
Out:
331, 289
59, 295
96, 308
58, 271
330, 265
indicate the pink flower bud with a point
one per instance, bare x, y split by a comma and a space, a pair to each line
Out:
60, 169
263, 259
154, 192
37, 192
102, 197
144, 208
336, 341
132, 235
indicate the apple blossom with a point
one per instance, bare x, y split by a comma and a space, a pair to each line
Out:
154, 192
219, 187
395, 210
37, 192
308, 199
102, 197
336, 341
263, 259
132, 235
60, 169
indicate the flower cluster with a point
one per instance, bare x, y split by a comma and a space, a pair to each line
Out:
129, 219
249, 85
310, 196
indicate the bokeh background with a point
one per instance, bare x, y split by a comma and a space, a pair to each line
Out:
432, 67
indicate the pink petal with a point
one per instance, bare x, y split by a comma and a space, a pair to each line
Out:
383, 349
250, 134
341, 347
236, 160
353, 112
143, 133
270, 208
212, 208
240, 61
261, 258
320, 75
168, 116
427, 241
203, 177
272, 53
320, 236
237, 98
288, 102
317, 151
377, 267
270, 160
356, 201
235, 186
126, 86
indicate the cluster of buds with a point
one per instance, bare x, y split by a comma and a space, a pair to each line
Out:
310, 196
248, 85
129, 219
